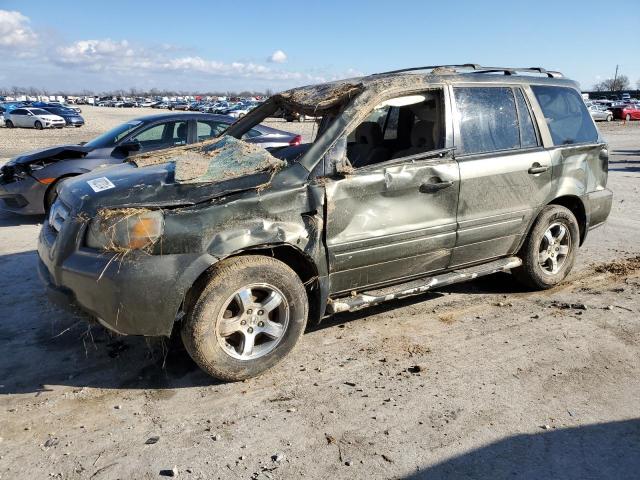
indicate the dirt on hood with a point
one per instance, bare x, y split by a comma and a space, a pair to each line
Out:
213, 161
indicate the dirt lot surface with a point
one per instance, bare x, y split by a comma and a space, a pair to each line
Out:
482, 380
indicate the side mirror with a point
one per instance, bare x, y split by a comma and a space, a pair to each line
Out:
130, 146
336, 158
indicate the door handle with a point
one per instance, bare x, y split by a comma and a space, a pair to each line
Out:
432, 187
537, 168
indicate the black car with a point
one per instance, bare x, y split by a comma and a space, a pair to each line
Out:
71, 117
28, 182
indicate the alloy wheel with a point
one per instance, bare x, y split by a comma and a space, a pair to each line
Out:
253, 321
554, 248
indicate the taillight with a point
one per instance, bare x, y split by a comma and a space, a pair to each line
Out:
297, 140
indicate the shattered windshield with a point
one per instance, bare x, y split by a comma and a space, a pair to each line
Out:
113, 136
213, 161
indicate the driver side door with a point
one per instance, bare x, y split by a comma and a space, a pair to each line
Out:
162, 135
393, 217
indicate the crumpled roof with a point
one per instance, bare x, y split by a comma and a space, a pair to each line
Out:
320, 97
213, 161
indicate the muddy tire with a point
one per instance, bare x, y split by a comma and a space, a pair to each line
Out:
550, 250
248, 317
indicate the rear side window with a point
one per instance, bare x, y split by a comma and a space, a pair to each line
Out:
209, 129
566, 115
488, 119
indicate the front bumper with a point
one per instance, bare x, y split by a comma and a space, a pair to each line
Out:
24, 197
139, 294
74, 122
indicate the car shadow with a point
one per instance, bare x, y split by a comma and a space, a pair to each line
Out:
9, 219
598, 451
45, 346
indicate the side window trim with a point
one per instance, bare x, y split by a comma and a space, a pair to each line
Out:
532, 116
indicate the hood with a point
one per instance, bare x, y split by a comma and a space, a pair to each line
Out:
61, 151
126, 185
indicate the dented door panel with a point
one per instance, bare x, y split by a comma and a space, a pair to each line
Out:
387, 223
499, 196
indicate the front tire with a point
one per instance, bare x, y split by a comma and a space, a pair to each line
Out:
8, 124
37, 125
549, 252
247, 319
628, 118
609, 118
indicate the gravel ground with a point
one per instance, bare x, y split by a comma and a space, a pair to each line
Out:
480, 380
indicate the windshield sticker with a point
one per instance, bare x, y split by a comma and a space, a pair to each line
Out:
100, 184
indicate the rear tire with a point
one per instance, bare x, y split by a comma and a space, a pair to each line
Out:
609, 118
8, 124
37, 125
550, 249
247, 319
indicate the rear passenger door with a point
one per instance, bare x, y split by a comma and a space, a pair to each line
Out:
505, 174
19, 117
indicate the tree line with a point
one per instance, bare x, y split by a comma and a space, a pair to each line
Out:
132, 92
616, 84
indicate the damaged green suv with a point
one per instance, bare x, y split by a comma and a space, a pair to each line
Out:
405, 181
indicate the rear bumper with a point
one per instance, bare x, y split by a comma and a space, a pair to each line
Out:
597, 208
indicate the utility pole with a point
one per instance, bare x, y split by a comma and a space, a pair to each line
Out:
615, 80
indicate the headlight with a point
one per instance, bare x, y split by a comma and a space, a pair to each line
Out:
125, 229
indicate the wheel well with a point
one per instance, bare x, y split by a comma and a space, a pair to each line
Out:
54, 185
299, 262
577, 208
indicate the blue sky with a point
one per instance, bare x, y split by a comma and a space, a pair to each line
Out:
199, 45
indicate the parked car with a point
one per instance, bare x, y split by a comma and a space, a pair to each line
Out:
238, 111
71, 117
28, 182
33, 118
184, 106
627, 112
147, 103
240, 248
2, 111
599, 113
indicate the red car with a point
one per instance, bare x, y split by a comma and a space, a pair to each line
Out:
628, 112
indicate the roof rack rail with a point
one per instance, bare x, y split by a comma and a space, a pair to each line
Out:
475, 68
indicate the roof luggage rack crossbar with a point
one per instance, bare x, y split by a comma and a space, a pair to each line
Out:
475, 68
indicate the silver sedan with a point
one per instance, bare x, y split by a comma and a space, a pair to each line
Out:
600, 114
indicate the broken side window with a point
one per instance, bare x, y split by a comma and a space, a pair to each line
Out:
399, 127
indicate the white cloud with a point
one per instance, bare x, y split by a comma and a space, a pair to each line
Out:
124, 58
94, 51
94, 63
15, 31
278, 57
